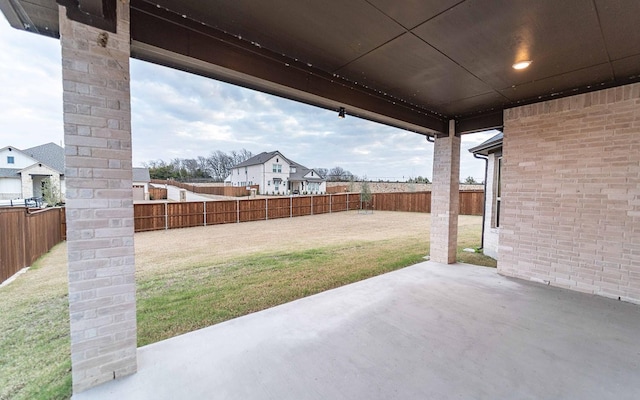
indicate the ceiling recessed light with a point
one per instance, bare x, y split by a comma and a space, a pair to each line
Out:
521, 64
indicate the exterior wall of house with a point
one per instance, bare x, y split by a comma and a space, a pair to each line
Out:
33, 177
10, 188
263, 176
245, 176
269, 176
571, 190
143, 193
491, 231
20, 160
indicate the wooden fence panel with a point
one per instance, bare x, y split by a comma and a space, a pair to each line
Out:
320, 204
63, 223
42, 233
279, 207
471, 202
411, 202
338, 202
26, 236
222, 212
233, 191
12, 251
157, 193
149, 217
252, 210
185, 214
301, 206
353, 201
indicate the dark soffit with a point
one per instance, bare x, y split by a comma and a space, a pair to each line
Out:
432, 59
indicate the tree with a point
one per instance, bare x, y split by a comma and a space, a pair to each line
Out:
323, 172
217, 166
419, 179
50, 193
365, 194
339, 174
470, 181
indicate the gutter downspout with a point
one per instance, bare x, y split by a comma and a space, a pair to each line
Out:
484, 198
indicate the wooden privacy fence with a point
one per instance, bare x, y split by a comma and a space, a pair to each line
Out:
233, 191
26, 235
157, 193
149, 217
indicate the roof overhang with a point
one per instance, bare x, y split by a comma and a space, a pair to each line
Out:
410, 64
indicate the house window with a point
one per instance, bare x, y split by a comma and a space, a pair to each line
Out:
497, 193
277, 167
293, 170
10, 160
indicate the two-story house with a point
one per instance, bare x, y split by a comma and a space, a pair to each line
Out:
276, 174
23, 173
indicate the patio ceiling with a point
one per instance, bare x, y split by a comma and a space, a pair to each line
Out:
414, 64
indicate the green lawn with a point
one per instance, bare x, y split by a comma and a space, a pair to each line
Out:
34, 349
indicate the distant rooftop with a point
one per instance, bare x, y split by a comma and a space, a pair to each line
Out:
49, 154
486, 147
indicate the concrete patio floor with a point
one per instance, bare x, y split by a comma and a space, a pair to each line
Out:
429, 331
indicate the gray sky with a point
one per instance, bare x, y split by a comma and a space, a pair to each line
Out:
175, 114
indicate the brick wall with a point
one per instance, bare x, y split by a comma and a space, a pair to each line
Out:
97, 125
571, 201
391, 187
445, 198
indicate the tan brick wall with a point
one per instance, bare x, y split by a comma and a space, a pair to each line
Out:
445, 197
571, 202
395, 187
97, 123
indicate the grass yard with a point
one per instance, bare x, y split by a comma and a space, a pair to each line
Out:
192, 278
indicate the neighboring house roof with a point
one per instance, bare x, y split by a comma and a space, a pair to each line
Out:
300, 173
9, 173
49, 154
261, 159
488, 146
141, 175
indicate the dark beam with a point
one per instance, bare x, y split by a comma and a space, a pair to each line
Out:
100, 14
169, 39
480, 122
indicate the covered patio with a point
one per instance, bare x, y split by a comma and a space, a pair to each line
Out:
430, 331
570, 209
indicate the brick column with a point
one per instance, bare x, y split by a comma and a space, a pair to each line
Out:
97, 134
445, 197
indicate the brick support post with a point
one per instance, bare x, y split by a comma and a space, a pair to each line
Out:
445, 197
97, 134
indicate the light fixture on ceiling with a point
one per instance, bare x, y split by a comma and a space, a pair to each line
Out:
521, 64
341, 112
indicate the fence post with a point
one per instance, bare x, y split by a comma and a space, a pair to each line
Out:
238, 211
266, 209
166, 216
347, 202
291, 206
204, 204
330, 203
311, 204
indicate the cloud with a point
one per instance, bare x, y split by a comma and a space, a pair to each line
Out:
177, 114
